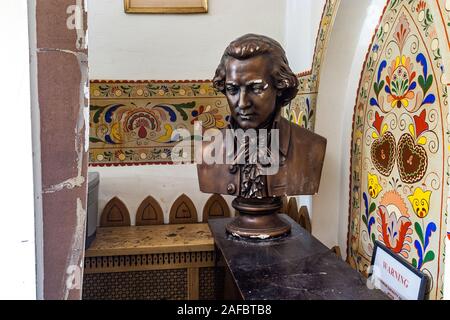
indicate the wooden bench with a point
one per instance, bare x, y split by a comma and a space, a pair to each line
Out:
116, 259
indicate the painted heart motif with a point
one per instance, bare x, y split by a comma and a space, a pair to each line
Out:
383, 153
412, 159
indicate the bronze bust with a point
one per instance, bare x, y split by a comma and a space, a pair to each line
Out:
257, 81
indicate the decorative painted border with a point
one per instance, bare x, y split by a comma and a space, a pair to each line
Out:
161, 89
132, 122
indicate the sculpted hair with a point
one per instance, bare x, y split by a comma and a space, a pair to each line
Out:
251, 45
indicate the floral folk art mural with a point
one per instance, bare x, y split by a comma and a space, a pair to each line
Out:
132, 122
400, 143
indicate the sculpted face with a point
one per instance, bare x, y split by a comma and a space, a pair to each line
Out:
250, 91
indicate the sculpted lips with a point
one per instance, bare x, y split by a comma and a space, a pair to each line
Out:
246, 116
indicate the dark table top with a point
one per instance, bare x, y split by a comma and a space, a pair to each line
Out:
297, 267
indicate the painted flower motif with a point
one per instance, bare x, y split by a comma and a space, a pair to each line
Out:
142, 122
165, 88
373, 186
116, 91
140, 90
419, 127
422, 244
120, 155
116, 133
421, 6
380, 131
420, 202
400, 82
394, 224
209, 118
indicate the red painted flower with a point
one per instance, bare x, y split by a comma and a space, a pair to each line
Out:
377, 123
420, 123
421, 6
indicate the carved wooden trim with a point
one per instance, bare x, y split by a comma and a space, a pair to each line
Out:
193, 276
149, 213
215, 207
292, 209
303, 218
337, 251
183, 211
284, 207
115, 214
156, 261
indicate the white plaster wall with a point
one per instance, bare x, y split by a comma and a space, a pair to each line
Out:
17, 233
125, 46
186, 46
350, 39
301, 25
177, 47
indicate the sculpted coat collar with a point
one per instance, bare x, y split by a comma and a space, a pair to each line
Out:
284, 128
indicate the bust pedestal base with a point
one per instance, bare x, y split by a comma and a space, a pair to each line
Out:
258, 219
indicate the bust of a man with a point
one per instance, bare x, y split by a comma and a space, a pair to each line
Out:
261, 156
257, 81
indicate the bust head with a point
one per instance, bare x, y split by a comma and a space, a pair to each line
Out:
255, 76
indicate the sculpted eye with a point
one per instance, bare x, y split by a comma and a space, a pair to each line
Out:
231, 89
257, 90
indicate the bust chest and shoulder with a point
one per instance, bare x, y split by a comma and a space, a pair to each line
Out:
301, 152
304, 159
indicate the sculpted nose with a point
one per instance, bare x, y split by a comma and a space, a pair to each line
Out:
244, 101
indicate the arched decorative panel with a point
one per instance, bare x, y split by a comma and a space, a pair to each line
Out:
303, 218
149, 213
183, 211
215, 207
292, 208
284, 204
443, 7
399, 157
115, 214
